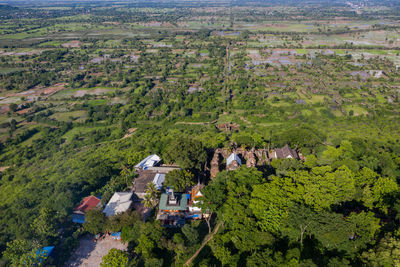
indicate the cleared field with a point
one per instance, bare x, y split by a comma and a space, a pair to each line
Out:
80, 92
78, 115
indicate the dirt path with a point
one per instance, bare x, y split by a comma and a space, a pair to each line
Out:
196, 123
208, 238
244, 119
2, 169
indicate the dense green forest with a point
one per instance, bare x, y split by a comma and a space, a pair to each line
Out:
89, 89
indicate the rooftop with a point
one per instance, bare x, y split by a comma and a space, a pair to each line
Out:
233, 157
158, 180
141, 182
286, 152
181, 202
87, 204
149, 161
119, 203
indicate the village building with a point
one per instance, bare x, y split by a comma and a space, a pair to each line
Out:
120, 202
285, 153
149, 161
233, 162
173, 208
149, 173
145, 178
88, 203
194, 211
250, 157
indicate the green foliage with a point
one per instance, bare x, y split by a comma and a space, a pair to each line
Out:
154, 262
115, 258
386, 253
23, 253
13, 107
244, 140
187, 153
121, 96
95, 221
191, 234
151, 198
283, 166
304, 136
44, 226
149, 239
118, 222
318, 191
179, 180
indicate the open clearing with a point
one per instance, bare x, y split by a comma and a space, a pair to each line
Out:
90, 253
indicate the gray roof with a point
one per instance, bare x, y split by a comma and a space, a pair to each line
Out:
141, 182
286, 152
233, 157
119, 203
149, 161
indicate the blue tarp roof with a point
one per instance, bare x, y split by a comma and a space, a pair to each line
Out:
116, 234
45, 252
77, 218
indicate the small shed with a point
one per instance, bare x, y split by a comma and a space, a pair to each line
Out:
233, 162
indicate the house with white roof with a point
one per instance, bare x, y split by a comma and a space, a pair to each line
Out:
119, 203
149, 161
233, 162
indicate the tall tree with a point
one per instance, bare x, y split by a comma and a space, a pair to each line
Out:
187, 153
44, 226
151, 197
95, 221
179, 180
115, 258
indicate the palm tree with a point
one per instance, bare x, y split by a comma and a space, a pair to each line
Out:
128, 174
147, 201
151, 197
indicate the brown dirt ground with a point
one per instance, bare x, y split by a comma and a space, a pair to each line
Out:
73, 44
90, 253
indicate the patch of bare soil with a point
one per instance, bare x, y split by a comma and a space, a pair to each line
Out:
72, 44
129, 133
98, 91
4, 109
2, 169
90, 253
39, 90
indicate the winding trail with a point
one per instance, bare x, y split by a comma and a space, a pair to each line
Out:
205, 241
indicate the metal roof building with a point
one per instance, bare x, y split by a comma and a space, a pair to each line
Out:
176, 202
149, 161
119, 203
